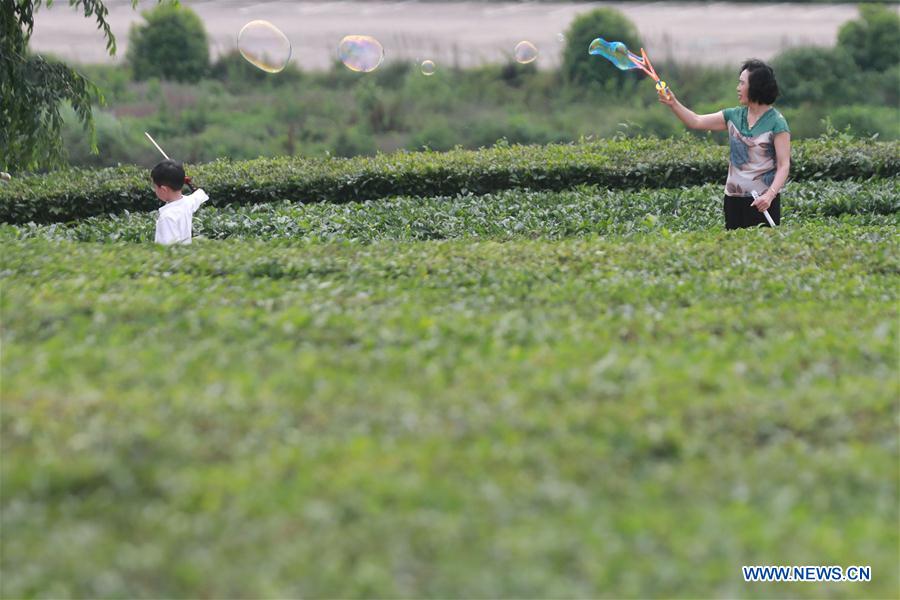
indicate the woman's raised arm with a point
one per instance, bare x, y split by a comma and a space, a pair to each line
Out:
711, 122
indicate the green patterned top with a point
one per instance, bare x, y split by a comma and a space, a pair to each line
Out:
753, 162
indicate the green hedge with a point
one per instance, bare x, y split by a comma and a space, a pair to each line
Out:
409, 420
636, 163
505, 215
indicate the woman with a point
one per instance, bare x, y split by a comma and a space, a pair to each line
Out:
760, 146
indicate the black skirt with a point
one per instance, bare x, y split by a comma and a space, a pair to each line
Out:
739, 213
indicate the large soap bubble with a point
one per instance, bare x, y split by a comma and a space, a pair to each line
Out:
361, 53
526, 52
264, 46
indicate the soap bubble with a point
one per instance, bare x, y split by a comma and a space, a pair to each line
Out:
428, 67
361, 53
526, 52
264, 46
560, 37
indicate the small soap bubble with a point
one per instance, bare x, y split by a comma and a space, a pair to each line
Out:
560, 37
264, 46
526, 52
361, 53
428, 67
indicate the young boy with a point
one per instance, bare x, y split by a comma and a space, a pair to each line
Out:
174, 223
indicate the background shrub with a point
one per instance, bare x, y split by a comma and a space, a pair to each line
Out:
172, 45
873, 40
813, 75
580, 68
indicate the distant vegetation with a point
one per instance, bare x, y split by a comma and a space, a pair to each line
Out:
239, 112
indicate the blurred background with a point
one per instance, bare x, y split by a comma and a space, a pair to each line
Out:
179, 74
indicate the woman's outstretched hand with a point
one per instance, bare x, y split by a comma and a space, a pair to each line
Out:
667, 99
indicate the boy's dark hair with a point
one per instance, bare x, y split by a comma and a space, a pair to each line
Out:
762, 87
168, 173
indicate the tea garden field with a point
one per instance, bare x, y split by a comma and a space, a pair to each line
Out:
548, 379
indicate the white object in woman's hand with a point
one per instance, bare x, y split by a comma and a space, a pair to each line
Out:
762, 203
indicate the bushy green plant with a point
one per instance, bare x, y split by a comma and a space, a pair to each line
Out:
409, 419
625, 163
112, 140
863, 121
436, 134
354, 141
814, 75
379, 107
868, 120
237, 74
171, 45
580, 68
514, 128
873, 40
506, 215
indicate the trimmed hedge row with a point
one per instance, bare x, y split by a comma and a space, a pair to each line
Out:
636, 163
509, 214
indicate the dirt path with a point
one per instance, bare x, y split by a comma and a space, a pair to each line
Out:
468, 33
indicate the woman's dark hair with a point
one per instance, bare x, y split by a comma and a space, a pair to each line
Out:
762, 87
168, 173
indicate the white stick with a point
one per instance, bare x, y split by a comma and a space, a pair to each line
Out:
157, 145
765, 212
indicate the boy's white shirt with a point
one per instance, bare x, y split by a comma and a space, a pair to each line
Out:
173, 226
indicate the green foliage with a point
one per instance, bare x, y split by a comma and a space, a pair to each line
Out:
33, 88
701, 84
234, 70
873, 40
864, 68
112, 139
838, 82
583, 212
172, 45
115, 81
813, 75
623, 163
353, 142
580, 68
410, 419
868, 120
501, 357
31, 99
246, 113
436, 134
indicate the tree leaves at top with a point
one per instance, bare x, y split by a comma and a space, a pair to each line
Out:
32, 88
873, 40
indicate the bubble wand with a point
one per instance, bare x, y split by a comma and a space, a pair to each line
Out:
187, 180
765, 212
624, 59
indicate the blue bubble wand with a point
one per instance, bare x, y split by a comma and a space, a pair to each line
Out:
624, 59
